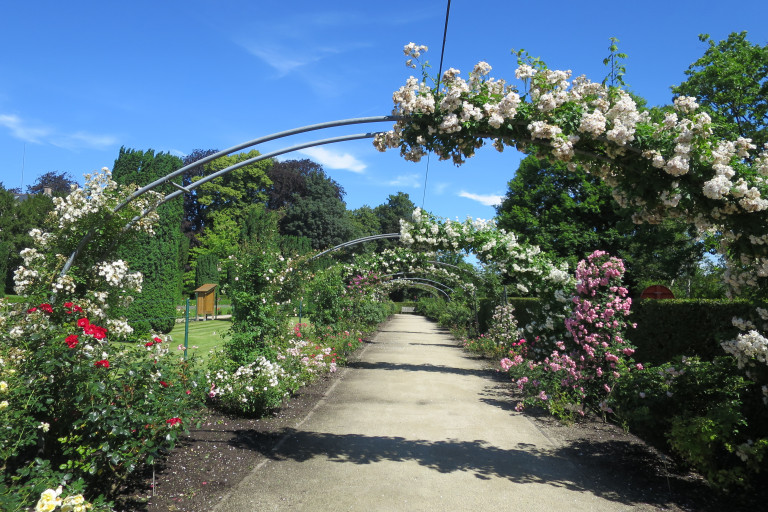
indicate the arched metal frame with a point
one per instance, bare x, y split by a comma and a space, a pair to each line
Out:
475, 274
405, 275
355, 242
279, 135
417, 284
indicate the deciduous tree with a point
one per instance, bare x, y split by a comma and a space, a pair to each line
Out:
319, 215
731, 81
57, 182
570, 214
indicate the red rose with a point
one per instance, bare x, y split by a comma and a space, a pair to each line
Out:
172, 422
83, 322
148, 344
46, 307
68, 305
71, 340
164, 384
31, 310
157, 340
101, 364
94, 330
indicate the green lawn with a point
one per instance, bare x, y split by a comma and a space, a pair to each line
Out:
204, 335
207, 335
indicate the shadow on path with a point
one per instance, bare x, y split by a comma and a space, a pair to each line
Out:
524, 464
433, 368
449, 345
406, 332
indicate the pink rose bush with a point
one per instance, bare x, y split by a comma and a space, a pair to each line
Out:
580, 372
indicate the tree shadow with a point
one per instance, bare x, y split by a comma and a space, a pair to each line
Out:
572, 467
436, 345
432, 368
431, 331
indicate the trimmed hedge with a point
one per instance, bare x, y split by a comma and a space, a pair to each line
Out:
672, 327
689, 327
523, 307
157, 257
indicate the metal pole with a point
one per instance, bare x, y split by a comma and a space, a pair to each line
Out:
301, 304
186, 329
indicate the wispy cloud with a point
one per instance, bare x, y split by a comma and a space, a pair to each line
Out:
284, 59
486, 199
24, 130
80, 140
406, 180
40, 134
440, 188
335, 160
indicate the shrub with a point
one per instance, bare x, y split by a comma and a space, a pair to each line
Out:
705, 411
66, 393
584, 371
669, 329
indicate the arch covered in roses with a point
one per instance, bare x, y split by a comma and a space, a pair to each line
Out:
663, 162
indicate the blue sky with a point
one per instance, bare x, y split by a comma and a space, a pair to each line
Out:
80, 79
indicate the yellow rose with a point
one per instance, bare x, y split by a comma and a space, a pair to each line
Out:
3, 385
3, 404
75, 503
49, 500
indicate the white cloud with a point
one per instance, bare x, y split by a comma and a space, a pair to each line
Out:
22, 130
285, 59
39, 134
278, 58
486, 199
407, 180
334, 160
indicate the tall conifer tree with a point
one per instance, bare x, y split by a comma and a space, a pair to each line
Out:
156, 257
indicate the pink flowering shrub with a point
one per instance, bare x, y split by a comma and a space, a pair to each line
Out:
581, 371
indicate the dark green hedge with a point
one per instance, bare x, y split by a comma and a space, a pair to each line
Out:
675, 327
156, 257
522, 306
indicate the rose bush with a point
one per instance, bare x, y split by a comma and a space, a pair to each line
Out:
579, 373
78, 406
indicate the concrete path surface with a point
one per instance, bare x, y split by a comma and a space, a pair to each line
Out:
415, 425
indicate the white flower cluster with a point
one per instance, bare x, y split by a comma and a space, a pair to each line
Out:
23, 279
97, 197
413, 51
748, 349
50, 499
117, 275
247, 380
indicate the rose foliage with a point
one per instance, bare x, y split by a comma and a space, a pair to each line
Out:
79, 408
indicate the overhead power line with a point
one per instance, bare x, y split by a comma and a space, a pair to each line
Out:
439, 77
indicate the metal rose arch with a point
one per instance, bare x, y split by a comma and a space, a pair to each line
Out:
275, 136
